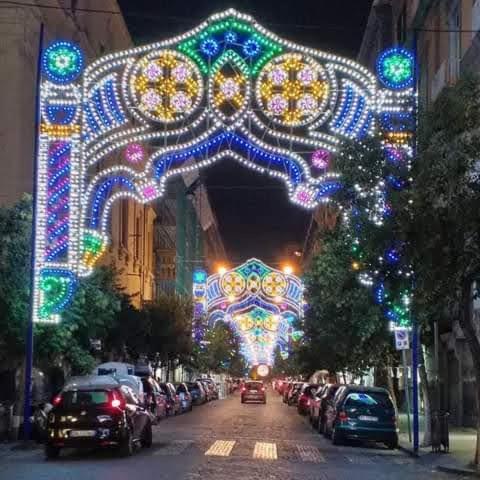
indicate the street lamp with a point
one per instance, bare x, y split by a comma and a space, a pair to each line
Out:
288, 269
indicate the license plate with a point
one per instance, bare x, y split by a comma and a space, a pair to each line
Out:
82, 433
367, 418
253, 391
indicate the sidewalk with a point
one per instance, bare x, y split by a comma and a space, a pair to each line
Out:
458, 460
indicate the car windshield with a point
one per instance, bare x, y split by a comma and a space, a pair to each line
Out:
84, 398
376, 400
253, 385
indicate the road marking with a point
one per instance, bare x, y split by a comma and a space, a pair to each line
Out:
265, 451
358, 459
309, 453
221, 448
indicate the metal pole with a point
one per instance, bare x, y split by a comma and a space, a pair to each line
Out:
407, 393
27, 406
415, 339
415, 345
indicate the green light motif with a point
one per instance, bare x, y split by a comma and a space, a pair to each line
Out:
268, 48
62, 62
397, 69
92, 243
57, 289
93, 247
253, 267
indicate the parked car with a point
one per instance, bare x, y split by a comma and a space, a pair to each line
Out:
174, 406
155, 399
305, 396
97, 411
213, 388
198, 392
286, 390
210, 388
185, 397
319, 405
253, 391
363, 413
294, 393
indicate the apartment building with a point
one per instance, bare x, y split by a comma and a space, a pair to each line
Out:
132, 225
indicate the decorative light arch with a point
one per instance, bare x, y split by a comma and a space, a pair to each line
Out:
262, 304
122, 126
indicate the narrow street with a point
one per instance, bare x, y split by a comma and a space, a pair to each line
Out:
223, 440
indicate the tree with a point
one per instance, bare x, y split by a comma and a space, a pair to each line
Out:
344, 330
91, 316
445, 232
15, 267
220, 352
169, 330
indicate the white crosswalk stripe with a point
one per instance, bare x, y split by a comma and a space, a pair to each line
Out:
221, 448
309, 453
265, 451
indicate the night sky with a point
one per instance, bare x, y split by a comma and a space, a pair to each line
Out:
253, 211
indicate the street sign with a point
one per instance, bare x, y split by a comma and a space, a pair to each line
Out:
402, 341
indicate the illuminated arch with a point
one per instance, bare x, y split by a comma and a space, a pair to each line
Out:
260, 303
128, 122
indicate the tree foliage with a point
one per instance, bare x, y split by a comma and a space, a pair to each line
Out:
344, 330
220, 352
15, 267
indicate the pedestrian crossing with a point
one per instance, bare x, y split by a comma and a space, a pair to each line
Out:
281, 451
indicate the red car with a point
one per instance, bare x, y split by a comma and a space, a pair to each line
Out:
305, 397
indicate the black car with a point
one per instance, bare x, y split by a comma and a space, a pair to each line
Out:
97, 412
363, 413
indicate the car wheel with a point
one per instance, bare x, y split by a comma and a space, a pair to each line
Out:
147, 436
321, 426
336, 437
51, 452
393, 445
126, 446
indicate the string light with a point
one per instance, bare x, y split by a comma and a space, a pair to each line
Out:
260, 303
155, 95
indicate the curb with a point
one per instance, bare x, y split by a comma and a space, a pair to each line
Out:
408, 451
458, 471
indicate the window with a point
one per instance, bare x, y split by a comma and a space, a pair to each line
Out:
402, 26
454, 52
84, 398
137, 237
475, 16
372, 400
124, 224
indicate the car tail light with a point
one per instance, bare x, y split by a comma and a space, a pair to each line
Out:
116, 401
57, 400
342, 416
243, 389
263, 389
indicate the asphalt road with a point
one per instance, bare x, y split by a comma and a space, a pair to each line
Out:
225, 440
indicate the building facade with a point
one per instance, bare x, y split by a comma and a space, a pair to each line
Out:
446, 35
132, 225
164, 239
